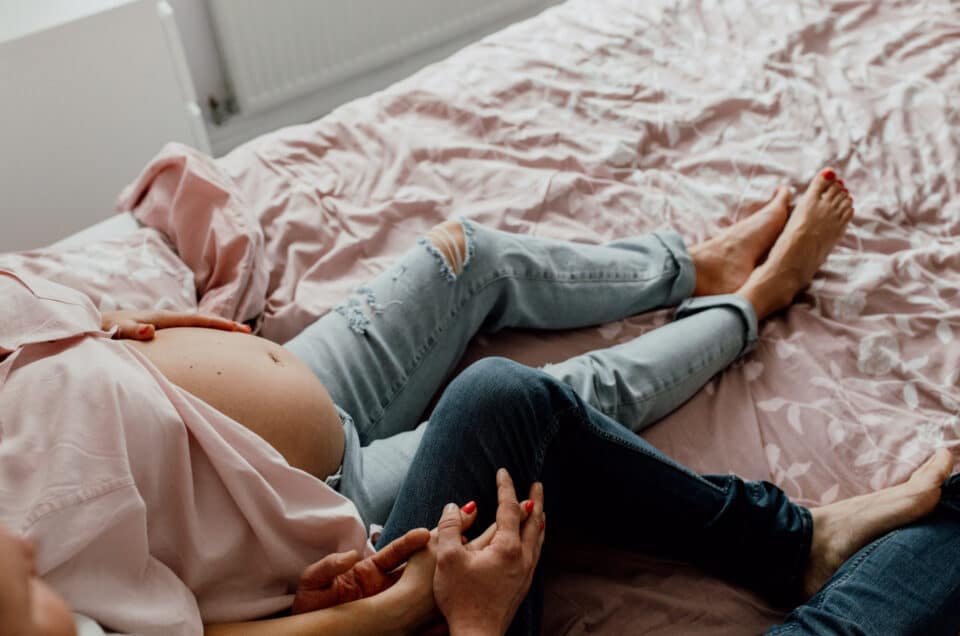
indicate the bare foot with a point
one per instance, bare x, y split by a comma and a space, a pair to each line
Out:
817, 223
724, 262
842, 528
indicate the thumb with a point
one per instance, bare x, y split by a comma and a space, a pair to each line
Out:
322, 573
448, 529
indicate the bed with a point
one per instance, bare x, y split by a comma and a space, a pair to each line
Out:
595, 120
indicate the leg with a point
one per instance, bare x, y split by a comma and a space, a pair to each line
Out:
607, 485
600, 479
636, 383
384, 352
639, 382
906, 582
372, 474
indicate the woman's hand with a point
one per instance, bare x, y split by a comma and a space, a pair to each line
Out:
479, 586
344, 577
142, 325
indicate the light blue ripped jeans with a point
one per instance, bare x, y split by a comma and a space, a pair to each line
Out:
386, 351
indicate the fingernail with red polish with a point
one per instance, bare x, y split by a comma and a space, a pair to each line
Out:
829, 174
143, 330
543, 524
469, 508
528, 506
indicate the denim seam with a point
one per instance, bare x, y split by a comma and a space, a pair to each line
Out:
584, 422
664, 459
659, 391
432, 339
548, 439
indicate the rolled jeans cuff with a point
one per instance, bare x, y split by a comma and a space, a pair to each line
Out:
686, 274
729, 301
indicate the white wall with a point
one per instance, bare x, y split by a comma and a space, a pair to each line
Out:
91, 90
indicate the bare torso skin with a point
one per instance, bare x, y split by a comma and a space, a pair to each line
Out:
259, 384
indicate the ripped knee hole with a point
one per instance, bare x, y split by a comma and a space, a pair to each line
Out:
450, 239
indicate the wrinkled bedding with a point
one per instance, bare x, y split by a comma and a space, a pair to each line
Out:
604, 118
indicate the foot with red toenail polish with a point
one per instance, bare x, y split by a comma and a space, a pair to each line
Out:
817, 223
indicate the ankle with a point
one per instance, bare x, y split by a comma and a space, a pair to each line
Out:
752, 295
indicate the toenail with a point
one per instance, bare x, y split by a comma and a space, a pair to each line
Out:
829, 174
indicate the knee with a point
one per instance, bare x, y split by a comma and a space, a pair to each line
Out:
498, 391
450, 245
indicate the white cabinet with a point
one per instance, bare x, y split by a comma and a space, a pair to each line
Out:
90, 90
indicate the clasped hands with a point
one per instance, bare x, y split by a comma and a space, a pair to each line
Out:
477, 586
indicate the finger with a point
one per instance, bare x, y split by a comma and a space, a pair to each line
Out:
468, 514
448, 529
532, 530
526, 507
399, 550
134, 330
322, 573
538, 546
484, 539
166, 319
508, 512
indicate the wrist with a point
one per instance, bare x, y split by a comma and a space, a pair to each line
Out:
404, 610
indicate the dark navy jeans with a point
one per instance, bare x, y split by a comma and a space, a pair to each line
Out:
599, 479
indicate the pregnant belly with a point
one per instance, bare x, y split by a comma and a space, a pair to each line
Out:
259, 384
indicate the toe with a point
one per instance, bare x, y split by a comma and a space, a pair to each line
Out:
782, 197
846, 211
837, 195
832, 193
846, 197
822, 181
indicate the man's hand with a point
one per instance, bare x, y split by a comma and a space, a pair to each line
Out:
479, 586
343, 577
142, 325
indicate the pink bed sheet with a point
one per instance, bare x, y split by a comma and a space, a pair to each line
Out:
604, 118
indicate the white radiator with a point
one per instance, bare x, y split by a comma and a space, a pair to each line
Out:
279, 50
